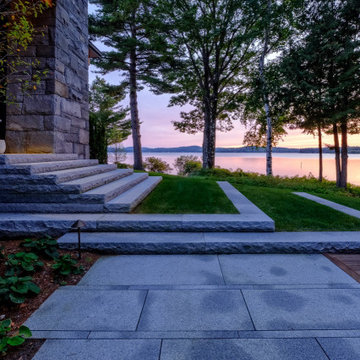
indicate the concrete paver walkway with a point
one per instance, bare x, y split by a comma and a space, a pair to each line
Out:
204, 307
342, 208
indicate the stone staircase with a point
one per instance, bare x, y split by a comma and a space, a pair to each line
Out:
62, 183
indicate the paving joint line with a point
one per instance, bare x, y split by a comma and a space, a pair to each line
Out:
247, 308
221, 270
160, 350
321, 347
142, 309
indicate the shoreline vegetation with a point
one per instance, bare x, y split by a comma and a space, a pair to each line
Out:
242, 149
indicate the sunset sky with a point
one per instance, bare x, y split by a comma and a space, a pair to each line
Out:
158, 131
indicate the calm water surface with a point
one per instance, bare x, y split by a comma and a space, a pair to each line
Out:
285, 164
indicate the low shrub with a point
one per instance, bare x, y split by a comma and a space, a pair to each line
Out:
65, 265
43, 247
14, 289
296, 183
7, 336
157, 165
215, 172
123, 166
22, 262
186, 164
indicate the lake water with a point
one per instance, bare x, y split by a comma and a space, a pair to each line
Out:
284, 164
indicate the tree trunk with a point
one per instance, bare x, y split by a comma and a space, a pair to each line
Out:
209, 141
320, 154
269, 170
269, 167
337, 154
134, 111
344, 155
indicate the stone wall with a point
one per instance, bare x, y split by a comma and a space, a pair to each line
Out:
55, 117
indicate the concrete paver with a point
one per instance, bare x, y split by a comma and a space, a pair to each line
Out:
177, 307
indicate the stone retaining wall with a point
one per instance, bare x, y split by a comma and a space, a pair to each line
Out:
55, 117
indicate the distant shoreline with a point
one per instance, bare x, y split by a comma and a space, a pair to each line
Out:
197, 149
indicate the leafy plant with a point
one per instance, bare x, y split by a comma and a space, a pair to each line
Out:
155, 164
12, 340
14, 289
186, 164
45, 247
65, 265
22, 262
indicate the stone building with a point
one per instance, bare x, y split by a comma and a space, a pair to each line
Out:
55, 117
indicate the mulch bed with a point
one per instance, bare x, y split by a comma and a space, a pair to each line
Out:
45, 280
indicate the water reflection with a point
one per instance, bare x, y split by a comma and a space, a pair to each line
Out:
283, 164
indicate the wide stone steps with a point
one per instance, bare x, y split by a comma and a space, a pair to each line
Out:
41, 167
56, 183
12, 159
73, 174
109, 191
214, 242
96, 181
128, 201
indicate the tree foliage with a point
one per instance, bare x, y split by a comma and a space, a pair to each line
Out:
123, 26
321, 74
212, 44
17, 32
108, 122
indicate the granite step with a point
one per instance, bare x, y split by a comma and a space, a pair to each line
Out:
214, 242
110, 191
128, 200
72, 194
95, 181
11, 159
73, 174
41, 167
16, 225
9, 182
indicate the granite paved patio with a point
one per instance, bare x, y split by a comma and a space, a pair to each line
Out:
201, 307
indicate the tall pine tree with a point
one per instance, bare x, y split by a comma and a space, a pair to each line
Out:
122, 25
108, 123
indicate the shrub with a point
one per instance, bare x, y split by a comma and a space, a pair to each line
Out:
43, 247
155, 164
13, 339
215, 172
22, 262
123, 166
186, 164
14, 289
65, 265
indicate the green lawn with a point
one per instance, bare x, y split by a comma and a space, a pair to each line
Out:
181, 195
293, 213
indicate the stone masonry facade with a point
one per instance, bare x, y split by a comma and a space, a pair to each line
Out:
55, 117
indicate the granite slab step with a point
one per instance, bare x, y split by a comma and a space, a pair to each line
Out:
69, 197
128, 200
35, 158
215, 242
41, 167
15, 225
110, 191
73, 174
95, 181
14, 182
